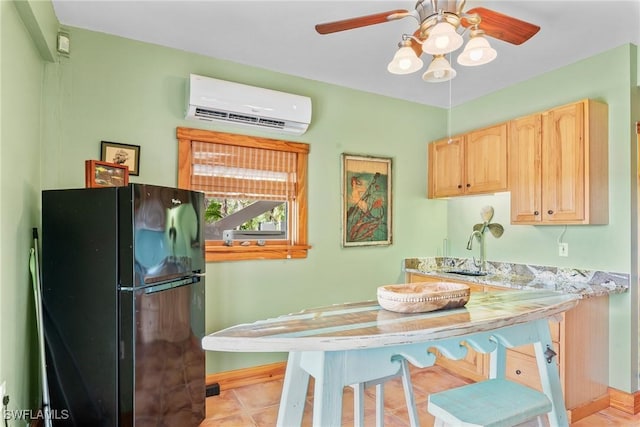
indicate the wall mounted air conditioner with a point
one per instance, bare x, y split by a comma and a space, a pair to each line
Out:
211, 99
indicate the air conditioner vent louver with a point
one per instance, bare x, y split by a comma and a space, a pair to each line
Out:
242, 118
218, 100
201, 112
272, 123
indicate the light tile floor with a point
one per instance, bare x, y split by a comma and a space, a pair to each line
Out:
257, 405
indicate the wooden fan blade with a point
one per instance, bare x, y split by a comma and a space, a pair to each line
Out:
361, 21
417, 47
503, 27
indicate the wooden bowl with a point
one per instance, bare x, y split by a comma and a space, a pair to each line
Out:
422, 297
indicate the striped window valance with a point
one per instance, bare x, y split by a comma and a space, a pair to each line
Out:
240, 172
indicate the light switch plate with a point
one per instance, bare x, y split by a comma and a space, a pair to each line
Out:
3, 390
563, 249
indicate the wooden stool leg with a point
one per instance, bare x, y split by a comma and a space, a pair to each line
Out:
358, 397
294, 392
358, 405
380, 405
498, 362
408, 395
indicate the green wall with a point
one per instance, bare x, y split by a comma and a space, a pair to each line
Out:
21, 82
608, 247
120, 90
538, 244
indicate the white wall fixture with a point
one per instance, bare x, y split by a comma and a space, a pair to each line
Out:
211, 99
63, 44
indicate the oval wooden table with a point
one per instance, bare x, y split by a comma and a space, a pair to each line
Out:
355, 343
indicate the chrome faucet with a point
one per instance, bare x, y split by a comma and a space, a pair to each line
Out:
478, 231
480, 235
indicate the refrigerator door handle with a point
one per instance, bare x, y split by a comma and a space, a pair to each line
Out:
157, 287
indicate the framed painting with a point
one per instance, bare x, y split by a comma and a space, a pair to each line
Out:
366, 200
121, 154
104, 174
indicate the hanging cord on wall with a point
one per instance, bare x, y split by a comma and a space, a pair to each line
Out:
450, 106
561, 236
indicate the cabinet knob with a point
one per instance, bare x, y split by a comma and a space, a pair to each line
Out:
550, 212
468, 185
536, 213
518, 372
459, 185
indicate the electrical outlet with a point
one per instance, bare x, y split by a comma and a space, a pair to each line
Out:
563, 249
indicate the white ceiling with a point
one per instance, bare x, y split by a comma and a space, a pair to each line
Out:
280, 36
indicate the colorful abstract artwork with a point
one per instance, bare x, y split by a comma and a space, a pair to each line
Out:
366, 204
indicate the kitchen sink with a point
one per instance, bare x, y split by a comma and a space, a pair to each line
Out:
467, 272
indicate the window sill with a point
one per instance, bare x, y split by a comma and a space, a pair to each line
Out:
216, 253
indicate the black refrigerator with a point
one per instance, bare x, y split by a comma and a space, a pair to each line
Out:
123, 305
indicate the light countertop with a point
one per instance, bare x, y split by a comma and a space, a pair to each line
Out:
586, 283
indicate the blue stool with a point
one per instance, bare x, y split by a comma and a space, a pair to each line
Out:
490, 403
358, 395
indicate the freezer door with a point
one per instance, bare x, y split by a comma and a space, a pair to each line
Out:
161, 233
163, 369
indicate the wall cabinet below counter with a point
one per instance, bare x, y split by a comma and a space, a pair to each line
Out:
580, 339
473, 163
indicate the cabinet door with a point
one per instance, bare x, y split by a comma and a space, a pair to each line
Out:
525, 179
563, 164
446, 168
417, 278
472, 366
523, 369
420, 278
486, 160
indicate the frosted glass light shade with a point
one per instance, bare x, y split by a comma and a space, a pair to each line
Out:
405, 61
439, 71
442, 39
477, 52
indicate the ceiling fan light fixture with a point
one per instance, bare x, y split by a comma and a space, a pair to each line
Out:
405, 60
477, 52
442, 39
439, 33
439, 70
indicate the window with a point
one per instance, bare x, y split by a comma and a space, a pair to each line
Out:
255, 189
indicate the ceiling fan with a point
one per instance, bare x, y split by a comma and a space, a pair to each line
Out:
437, 35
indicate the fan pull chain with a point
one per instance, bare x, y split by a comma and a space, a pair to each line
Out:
450, 106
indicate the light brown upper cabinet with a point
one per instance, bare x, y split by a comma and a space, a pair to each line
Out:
473, 163
559, 166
